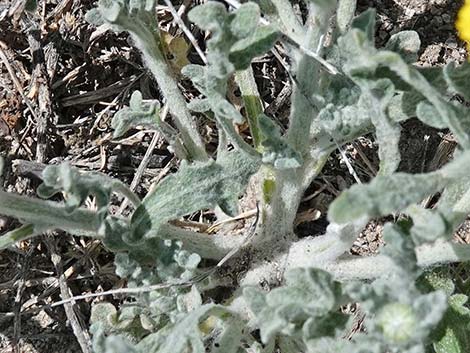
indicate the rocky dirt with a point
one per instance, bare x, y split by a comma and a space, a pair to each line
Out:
61, 81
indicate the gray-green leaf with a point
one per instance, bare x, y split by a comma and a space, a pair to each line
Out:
208, 16
388, 194
246, 20
138, 113
183, 336
194, 187
276, 151
243, 51
309, 293
405, 43
458, 78
345, 14
453, 333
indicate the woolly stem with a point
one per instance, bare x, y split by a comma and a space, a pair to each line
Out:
321, 252
47, 214
208, 246
148, 41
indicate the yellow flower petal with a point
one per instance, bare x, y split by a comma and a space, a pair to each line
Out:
462, 24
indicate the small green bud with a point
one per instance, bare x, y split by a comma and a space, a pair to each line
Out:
397, 322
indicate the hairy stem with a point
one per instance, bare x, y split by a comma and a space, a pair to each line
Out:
321, 252
303, 111
148, 42
289, 185
51, 215
280, 210
307, 252
208, 246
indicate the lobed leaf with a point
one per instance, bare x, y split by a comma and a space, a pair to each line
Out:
406, 44
344, 121
138, 113
457, 77
276, 151
245, 20
124, 14
453, 332
183, 336
382, 196
197, 186
78, 186
209, 16
388, 194
362, 60
260, 41
309, 294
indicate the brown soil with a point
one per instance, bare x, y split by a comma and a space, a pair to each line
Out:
75, 78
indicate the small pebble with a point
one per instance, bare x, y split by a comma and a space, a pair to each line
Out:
446, 18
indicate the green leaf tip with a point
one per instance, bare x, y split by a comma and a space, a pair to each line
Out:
275, 149
138, 113
260, 41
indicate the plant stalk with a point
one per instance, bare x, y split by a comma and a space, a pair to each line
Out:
252, 100
322, 252
47, 214
148, 43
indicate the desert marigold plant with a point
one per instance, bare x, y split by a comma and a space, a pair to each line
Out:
270, 289
463, 23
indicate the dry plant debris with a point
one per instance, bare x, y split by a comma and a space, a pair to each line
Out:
62, 80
